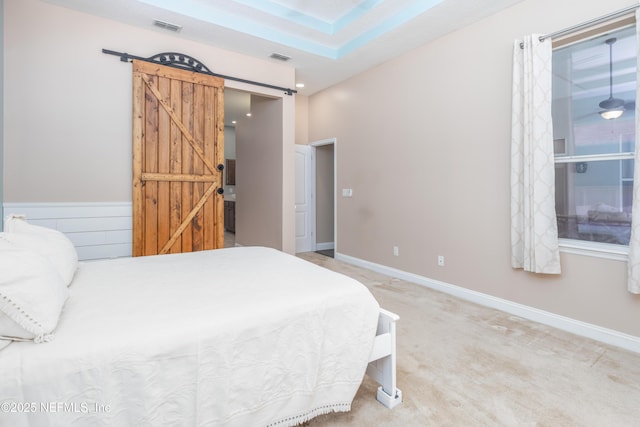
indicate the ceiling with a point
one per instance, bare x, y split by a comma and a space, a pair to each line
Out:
327, 40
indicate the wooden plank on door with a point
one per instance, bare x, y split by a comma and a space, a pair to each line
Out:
197, 223
175, 192
208, 210
164, 161
217, 118
150, 164
187, 165
137, 197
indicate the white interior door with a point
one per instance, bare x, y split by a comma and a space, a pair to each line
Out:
304, 199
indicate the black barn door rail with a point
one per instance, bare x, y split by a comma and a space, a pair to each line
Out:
186, 62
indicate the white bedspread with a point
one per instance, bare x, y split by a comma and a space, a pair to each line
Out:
234, 337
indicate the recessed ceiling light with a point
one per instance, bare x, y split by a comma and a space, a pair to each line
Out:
248, 114
299, 84
233, 122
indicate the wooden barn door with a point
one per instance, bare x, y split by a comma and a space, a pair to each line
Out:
178, 151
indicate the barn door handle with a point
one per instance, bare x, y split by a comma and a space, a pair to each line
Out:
220, 190
220, 166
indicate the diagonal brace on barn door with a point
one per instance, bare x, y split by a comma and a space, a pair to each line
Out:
176, 120
188, 218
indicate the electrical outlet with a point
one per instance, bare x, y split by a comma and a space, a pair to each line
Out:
441, 260
396, 251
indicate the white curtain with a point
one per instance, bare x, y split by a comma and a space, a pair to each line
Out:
633, 265
534, 231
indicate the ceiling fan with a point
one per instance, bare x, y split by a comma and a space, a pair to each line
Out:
612, 107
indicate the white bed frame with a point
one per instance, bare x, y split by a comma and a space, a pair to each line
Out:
382, 361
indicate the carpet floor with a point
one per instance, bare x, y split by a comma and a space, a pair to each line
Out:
462, 364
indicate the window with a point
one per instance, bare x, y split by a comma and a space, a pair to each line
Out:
594, 155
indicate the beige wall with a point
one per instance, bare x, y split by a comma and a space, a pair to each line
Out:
302, 120
424, 144
67, 106
259, 166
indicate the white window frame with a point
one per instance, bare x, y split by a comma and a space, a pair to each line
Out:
585, 247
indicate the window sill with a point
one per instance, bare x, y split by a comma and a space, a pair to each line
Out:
594, 249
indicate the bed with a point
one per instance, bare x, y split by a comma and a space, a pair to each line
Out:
245, 336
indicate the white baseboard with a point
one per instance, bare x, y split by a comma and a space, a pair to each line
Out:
577, 327
324, 246
97, 230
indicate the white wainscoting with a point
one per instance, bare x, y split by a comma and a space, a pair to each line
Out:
97, 230
577, 327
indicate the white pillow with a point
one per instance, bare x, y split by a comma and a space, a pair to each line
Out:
32, 294
50, 243
10, 331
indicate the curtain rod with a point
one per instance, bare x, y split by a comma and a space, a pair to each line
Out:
182, 61
588, 23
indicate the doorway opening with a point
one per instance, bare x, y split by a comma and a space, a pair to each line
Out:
325, 202
253, 169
